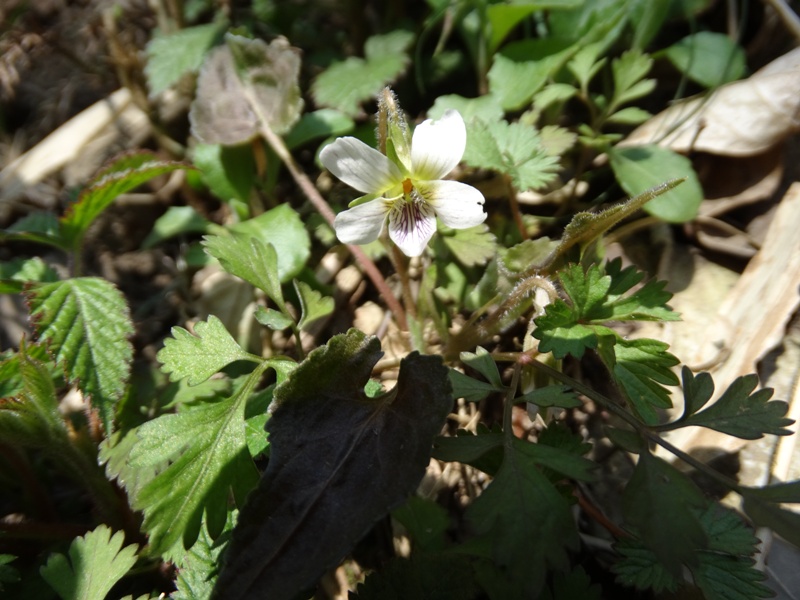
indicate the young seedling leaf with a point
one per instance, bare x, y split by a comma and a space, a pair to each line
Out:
313, 305
244, 85
385, 59
332, 448
526, 518
208, 457
123, 175
170, 56
647, 303
96, 562
514, 149
743, 413
658, 505
15, 273
86, 325
197, 357
178, 220
284, 229
639, 168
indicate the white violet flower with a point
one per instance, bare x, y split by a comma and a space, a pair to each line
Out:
410, 192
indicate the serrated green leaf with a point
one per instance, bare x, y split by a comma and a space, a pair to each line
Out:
647, 303
313, 305
559, 332
639, 168
743, 413
209, 456
642, 367
195, 578
708, 58
197, 357
18, 271
96, 562
385, 60
86, 324
657, 504
723, 577
473, 246
31, 420
284, 229
170, 56
332, 446
513, 149
527, 520
322, 123
727, 532
639, 567
244, 85
122, 176
178, 220
228, 171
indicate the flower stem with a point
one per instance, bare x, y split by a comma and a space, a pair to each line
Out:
313, 195
401, 266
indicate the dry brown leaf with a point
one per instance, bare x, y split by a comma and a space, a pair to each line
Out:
739, 119
753, 317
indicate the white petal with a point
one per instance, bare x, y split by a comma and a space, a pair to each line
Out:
437, 146
360, 166
411, 226
361, 224
457, 204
